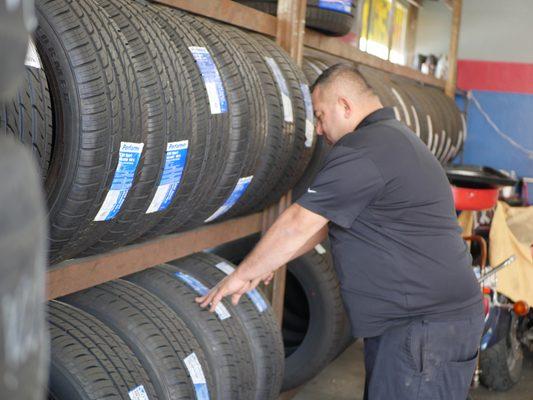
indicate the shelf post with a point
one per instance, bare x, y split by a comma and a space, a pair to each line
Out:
454, 45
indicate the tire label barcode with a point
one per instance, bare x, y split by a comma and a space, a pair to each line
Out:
221, 310
175, 159
309, 116
254, 295
238, 191
128, 159
138, 393
197, 376
343, 6
283, 88
213, 83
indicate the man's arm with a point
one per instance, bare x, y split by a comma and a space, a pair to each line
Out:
295, 232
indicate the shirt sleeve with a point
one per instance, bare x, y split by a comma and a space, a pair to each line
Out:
346, 184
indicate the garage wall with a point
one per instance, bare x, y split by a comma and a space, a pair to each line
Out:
433, 29
496, 65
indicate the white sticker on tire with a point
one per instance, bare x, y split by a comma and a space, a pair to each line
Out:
175, 159
32, 57
283, 88
254, 295
320, 249
197, 376
128, 159
238, 191
309, 116
138, 393
221, 311
213, 83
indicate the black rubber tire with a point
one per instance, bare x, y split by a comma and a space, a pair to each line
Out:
325, 336
223, 343
322, 330
28, 117
321, 150
159, 339
302, 142
209, 144
168, 115
91, 86
312, 69
176, 24
89, 361
330, 22
275, 152
501, 364
245, 111
24, 342
257, 319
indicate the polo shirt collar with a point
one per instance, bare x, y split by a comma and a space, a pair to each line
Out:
378, 115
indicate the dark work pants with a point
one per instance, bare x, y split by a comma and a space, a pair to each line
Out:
423, 360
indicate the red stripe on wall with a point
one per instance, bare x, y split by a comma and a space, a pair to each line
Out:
495, 76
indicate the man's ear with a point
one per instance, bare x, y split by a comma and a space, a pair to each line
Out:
346, 106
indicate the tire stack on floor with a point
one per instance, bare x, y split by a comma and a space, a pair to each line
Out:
145, 337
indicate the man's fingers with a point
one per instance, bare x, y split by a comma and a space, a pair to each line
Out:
216, 299
235, 298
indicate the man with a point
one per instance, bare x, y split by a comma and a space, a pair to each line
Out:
405, 272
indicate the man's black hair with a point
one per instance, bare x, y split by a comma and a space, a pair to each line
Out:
347, 71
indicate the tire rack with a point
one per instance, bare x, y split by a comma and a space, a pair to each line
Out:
288, 28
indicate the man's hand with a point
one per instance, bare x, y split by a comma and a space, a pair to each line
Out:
231, 285
295, 232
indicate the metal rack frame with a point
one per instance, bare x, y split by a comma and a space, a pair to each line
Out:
288, 27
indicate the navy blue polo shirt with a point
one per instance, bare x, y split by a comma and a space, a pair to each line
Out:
395, 239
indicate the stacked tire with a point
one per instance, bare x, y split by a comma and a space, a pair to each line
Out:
145, 337
147, 120
331, 17
315, 324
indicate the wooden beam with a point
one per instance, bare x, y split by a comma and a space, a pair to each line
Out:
454, 45
335, 47
78, 274
291, 27
230, 12
410, 40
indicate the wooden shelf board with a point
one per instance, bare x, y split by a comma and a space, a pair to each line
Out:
73, 275
333, 46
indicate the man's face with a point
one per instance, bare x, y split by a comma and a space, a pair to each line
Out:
330, 113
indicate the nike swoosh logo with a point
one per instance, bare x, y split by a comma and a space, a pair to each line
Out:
311, 191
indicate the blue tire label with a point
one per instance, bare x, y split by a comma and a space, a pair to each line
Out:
202, 290
138, 393
343, 6
213, 83
175, 159
283, 88
128, 159
238, 191
197, 376
309, 116
253, 295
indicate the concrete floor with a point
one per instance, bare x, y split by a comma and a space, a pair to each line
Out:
344, 380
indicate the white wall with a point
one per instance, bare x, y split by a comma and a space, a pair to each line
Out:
497, 30
491, 30
433, 30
